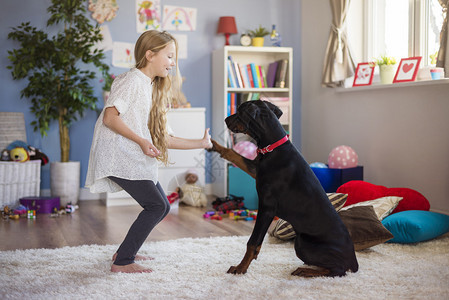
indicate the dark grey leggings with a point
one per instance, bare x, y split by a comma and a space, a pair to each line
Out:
155, 207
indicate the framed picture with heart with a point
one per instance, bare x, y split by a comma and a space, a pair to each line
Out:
363, 74
408, 69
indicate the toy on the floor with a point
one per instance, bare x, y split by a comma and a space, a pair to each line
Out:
342, 157
237, 215
175, 196
228, 203
192, 193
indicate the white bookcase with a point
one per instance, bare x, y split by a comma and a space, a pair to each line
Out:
262, 56
185, 123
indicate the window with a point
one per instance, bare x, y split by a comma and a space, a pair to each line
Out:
398, 28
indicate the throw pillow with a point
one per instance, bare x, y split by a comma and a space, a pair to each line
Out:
415, 226
364, 227
382, 206
283, 230
359, 191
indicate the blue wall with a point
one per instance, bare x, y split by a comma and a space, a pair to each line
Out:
196, 68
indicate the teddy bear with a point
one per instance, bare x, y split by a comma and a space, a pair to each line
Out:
190, 192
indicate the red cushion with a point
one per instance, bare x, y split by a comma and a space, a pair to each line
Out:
359, 191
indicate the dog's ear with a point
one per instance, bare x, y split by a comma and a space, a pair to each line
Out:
276, 110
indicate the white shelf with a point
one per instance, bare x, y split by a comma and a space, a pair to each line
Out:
262, 56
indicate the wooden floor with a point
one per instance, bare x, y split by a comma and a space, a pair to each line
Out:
94, 223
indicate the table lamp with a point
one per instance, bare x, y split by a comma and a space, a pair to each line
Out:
227, 26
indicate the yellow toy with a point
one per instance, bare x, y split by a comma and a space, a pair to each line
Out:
19, 154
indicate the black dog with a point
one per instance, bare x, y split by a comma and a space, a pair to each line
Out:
288, 188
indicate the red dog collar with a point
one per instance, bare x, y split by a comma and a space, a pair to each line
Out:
271, 147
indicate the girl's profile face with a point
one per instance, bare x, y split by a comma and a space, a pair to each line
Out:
164, 60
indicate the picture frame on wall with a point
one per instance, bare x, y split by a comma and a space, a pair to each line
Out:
364, 74
408, 69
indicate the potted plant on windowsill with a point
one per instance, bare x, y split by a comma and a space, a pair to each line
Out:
258, 36
58, 80
387, 68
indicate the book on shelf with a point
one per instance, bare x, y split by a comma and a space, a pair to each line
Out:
271, 75
259, 76
254, 73
281, 73
264, 76
231, 79
238, 75
244, 74
250, 75
233, 71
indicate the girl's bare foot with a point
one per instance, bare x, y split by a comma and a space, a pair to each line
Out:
138, 257
131, 268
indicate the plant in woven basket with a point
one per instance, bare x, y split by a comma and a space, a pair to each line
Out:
58, 67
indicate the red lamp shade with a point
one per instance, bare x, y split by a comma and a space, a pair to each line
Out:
227, 26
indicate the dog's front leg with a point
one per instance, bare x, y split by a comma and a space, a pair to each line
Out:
263, 221
247, 165
251, 253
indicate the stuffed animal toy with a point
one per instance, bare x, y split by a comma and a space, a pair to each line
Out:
34, 153
5, 155
192, 193
19, 154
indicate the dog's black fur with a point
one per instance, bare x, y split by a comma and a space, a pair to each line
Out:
288, 188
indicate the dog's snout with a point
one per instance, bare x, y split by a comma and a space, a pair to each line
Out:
231, 122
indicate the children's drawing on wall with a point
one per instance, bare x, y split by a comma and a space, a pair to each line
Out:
148, 15
106, 43
123, 55
103, 10
179, 18
182, 45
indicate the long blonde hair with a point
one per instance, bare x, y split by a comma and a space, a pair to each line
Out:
155, 41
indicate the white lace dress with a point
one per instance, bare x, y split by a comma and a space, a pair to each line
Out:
112, 154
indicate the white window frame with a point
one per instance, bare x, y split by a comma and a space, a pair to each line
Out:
418, 28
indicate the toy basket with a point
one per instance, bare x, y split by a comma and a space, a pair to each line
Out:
17, 180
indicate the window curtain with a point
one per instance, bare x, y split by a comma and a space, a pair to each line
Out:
443, 54
338, 62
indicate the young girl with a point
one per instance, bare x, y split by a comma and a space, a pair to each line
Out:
130, 137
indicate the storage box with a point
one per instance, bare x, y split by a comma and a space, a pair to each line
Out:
42, 205
17, 180
331, 179
243, 185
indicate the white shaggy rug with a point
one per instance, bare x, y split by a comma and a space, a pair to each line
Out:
196, 269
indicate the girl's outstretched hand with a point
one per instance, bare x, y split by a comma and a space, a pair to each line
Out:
207, 144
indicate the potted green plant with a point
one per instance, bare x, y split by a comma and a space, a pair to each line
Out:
258, 35
107, 83
57, 69
387, 68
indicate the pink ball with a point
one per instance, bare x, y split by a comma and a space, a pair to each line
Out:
342, 157
246, 149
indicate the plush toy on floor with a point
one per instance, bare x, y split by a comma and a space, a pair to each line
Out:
192, 193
